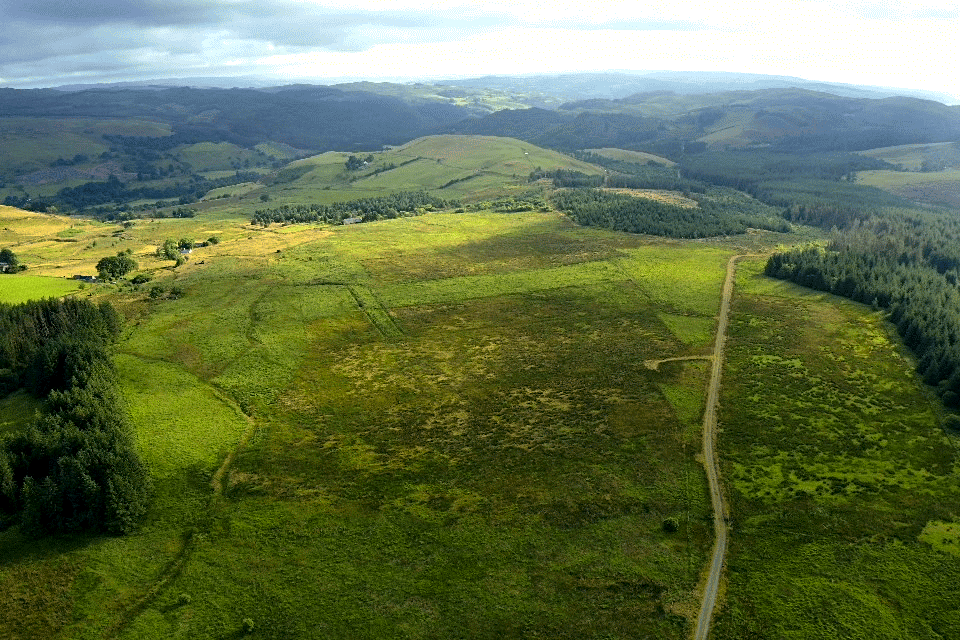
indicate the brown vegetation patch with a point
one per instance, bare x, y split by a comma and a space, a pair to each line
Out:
660, 195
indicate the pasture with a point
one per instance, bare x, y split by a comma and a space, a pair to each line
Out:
16, 288
31, 144
453, 167
842, 483
912, 156
443, 426
638, 157
935, 187
453, 433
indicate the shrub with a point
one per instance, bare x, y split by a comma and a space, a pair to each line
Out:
952, 423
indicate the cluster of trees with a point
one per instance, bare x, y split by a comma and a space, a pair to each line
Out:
404, 203
174, 249
77, 159
29, 204
10, 261
530, 201
353, 162
115, 267
623, 174
75, 467
113, 191
717, 214
750, 170
567, 178
906, 262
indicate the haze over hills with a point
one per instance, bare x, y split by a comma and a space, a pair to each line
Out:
611, 85
568, 86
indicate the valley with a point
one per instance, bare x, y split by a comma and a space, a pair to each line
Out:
483, 415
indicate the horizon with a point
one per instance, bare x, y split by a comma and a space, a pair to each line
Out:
245, 81
911, 46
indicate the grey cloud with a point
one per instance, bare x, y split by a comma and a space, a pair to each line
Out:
85, 13
46, 38
41, 34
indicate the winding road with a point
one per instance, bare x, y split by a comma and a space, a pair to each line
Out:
710, 463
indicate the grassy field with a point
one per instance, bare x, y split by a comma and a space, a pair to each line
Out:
217, 156
20, 287
912, 156
30, 144
442, 427
454, 436
935, 187
639, 157
842, 484
455, 167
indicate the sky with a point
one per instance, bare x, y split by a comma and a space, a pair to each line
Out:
894, 43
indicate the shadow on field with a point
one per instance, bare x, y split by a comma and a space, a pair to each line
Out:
18, 548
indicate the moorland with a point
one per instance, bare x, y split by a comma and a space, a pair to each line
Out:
404, 361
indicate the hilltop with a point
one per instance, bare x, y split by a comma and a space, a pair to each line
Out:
450, 166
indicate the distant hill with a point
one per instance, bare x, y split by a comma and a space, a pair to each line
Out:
307, 117
580, 86
451, 166
783, 119
64, 148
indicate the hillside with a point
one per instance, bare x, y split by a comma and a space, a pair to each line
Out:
920, 157
454, 384
177, 144
480, 419
453, 167
780, 119
407, 430
299, 115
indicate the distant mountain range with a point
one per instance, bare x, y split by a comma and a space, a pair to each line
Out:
661, 112
574, 86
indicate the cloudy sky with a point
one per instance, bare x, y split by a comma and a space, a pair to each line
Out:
899, 43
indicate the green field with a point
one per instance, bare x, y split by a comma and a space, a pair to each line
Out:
205, 157
20, 287
912, 156
443, 426
453, 434
454, 167
935, 187
30, 144
841, 482
638, 157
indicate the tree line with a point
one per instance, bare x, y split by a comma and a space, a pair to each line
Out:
402, 204
906, 262
74, 468
721, 213
624, 174
112, 190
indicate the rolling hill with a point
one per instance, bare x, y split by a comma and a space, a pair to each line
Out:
450, 166
480, 422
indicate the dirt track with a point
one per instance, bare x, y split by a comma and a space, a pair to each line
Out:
655, 364
710, 460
